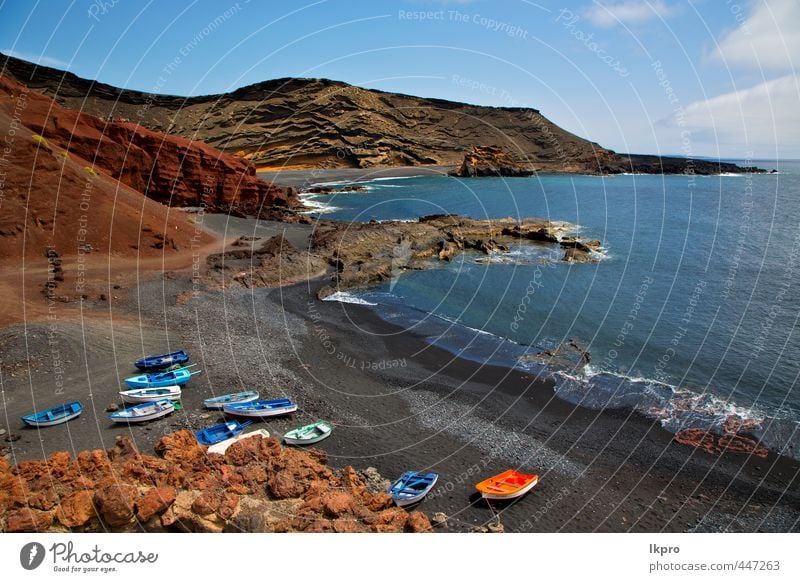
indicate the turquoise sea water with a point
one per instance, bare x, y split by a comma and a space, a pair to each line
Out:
690, 317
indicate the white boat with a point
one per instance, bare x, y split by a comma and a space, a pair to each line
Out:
144, 412
219, 402
140, 395
220, 448
309, 434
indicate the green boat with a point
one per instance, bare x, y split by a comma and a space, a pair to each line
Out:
309, 434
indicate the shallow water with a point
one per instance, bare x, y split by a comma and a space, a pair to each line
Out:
690, 317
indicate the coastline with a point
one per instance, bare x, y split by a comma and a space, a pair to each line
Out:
399, 403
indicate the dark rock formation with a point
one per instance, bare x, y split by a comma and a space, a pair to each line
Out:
490, 161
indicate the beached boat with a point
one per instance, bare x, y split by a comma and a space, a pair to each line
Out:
177, 377
55, 415
261, 408
144, 412
140, 395
221, 432
238, 397
309, 434
220, 448
153, 363
507, 485
411, 487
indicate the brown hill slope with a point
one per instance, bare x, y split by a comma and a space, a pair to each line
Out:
304, 123
321, 123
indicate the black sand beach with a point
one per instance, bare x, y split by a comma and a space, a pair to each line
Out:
397, 403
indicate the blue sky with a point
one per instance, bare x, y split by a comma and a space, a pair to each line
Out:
699, 77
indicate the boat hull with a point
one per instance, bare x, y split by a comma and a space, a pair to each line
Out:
129, 398
125, 417
154, 363
509, 496
314, 437
214, 404
54, 422
259, 413
402, 500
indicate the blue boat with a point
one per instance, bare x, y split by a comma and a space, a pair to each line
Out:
153, 363
411, 487
177, 377
221, 432
55, 415
261, 408
238, 397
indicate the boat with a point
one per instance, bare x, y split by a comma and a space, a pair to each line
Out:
220, 448
507, 485
140, 395
177, 377
144, 412
153, 363
261, 408
411, 487
220, 432
218, 402
55, 415
309, 434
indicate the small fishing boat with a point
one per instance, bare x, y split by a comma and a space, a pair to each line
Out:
144, 412
153, 363
411, 487
261, 408
55, 415
309, 434
177, 377
507, 485
221, 432
238, 397
140, 395
220, 448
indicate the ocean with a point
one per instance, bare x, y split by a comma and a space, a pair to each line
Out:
690, 316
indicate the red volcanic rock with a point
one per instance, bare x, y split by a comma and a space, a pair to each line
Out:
116, 504
256, 486
155, 501
170, 169
76, 509
180, 447
418, 522
716, 444
28, 520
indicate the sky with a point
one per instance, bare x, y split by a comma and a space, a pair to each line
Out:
712, 78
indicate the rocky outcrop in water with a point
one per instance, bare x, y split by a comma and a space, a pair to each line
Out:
257, 486
490, 161
731, 441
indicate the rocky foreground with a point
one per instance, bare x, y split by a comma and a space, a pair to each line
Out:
257, 486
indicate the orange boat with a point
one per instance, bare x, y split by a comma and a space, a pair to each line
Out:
507, 485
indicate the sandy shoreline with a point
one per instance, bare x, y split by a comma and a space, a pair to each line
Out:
397, 404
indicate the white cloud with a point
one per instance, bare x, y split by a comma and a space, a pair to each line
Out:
626, 12
762, 119
38, 59
769, 37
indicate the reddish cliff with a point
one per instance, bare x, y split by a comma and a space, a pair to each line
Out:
166, 168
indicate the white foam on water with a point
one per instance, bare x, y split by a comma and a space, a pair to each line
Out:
315, 205
345, 297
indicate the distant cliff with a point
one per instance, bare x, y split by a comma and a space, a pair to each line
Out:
307, 123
